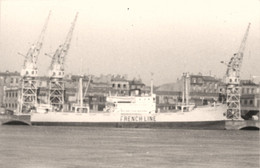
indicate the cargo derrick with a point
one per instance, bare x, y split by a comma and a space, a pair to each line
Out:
233, 81
56, 72
29, 73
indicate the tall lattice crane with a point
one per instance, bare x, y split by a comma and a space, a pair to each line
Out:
29, 73
233, 81
56, 71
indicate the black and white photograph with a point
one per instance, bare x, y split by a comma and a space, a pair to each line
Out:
129, 83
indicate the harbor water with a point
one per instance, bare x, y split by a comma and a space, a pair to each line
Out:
69, 147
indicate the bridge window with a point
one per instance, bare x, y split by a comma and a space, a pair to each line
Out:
245, 102
251, 102
113, 85
118, 85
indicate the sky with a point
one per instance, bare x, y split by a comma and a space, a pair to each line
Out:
134, 37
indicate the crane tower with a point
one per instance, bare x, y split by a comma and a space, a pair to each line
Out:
56, 71
29, 72
233, 81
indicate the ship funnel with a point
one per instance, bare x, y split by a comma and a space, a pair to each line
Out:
151, 83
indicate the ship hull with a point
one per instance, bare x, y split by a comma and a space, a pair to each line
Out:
205, 125
205, 118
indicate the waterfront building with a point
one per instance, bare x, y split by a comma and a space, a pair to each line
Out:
9, 90
97, 91
136, 87
96, 95
167, 100
202, 90
249, 100
120, 85
71, 95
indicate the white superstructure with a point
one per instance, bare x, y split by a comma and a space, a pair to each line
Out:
131, 104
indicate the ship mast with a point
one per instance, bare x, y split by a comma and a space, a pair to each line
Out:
187, 89
80, 101
151, 83
86, 90
185, 92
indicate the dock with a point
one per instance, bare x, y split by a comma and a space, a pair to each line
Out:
242, 125
15, 119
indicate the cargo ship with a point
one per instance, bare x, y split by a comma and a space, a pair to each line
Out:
136, 111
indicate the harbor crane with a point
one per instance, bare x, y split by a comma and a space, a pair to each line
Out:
29, 73
56, 71
233, 81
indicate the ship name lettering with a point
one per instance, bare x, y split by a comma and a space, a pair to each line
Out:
130, 118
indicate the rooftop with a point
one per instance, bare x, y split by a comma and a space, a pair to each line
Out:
248, 82
7, 73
